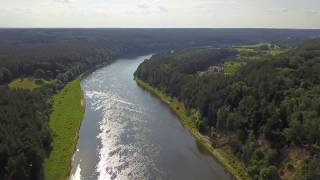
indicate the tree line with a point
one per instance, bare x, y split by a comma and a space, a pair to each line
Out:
267, 108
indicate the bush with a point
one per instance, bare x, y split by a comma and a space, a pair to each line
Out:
39, 81
268, 173
311, 168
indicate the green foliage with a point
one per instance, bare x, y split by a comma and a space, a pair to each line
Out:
270, 172
271, 104
231, 67
5, 75
39, 73
311, 168
25, 136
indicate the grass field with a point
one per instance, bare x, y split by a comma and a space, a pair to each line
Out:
227, 160
27, 83
65, 123
23, 84
274, 52
245, 50
232, 67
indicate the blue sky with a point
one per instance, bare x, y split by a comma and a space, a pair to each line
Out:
160, 13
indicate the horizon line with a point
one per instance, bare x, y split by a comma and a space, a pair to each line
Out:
57, 27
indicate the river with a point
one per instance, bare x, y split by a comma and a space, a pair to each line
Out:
127, 133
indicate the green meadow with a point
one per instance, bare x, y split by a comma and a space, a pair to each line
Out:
65, 123
23, 84
28, 83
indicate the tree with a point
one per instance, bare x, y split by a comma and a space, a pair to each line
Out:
222, 118
268, 173
39, 73
5, 75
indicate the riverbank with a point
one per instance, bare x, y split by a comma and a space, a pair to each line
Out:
65, 121
233, 166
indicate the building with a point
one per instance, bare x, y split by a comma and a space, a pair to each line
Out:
216, 69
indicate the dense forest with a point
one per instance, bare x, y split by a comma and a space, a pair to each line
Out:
25, 136
57, 56
46, 53
269, 109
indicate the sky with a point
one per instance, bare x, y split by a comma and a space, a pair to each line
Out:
161, 13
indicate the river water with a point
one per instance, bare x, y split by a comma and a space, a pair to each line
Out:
127, 133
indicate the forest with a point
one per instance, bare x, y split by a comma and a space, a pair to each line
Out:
268, 110
52, 57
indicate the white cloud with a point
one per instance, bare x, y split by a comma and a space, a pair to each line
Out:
162, 8
159, 13
17, 10
65, 1
3, 10
284, 10
143, 6
313, 12
278, 10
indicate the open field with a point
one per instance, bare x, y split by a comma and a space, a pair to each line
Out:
28, 83
23, 84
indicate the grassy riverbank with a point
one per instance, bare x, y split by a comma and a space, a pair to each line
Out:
230, 163
65, 123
